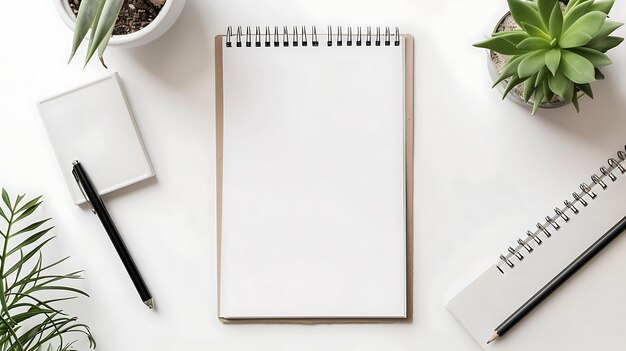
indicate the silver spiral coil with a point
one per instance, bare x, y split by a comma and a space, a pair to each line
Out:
301, 37
583, 198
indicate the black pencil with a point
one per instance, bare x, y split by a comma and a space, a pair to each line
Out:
557, 281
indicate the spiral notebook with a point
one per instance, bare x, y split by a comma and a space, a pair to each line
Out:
588, 311
314, 152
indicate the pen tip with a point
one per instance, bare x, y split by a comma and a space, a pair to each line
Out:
149, 303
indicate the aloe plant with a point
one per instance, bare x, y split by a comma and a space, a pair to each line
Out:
98, 18
556, 51
30, 319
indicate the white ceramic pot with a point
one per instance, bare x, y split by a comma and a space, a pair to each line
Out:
166, 18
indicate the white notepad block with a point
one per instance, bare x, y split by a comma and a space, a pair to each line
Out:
93, 124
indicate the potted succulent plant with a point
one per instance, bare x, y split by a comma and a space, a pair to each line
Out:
124, 23
547, 52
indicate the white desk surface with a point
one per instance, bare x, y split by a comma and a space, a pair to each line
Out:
485, 170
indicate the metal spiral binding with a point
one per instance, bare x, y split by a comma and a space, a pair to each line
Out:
343, 35
582, 197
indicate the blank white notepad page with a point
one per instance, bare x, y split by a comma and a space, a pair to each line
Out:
313, 221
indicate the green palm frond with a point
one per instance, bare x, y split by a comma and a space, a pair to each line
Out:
30, 319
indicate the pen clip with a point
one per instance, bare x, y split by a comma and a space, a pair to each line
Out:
80, 187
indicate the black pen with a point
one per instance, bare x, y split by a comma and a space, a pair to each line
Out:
557, 281
98, 208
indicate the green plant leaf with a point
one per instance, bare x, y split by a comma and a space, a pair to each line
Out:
585, 88
27, 212
30, 240
602, 5
110, 11
570, 5
536, 32
28, 205
31, 227
513, 36
531, 64
576, 68
555, 26
512, 84
575, 101
545, 10
561, 85
606, 44
6, 199
583, 30
88, 12
553, 58
524, 12
607, 28
18, 199
541, 76
500, 44
26, 257
531, 44
529, 87
539, 94
599, 75
575, 13
509, 69
549, 94
27, 321
594, 56
103, 47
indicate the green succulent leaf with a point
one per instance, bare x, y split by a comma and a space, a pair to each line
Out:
524, 12
532, 44
575, 100
555, 26
553, 59
599, 74
576, 68
512, 84
561, 85
535, 31
509, 69
585, 88
607, 28
594, 56
549, 94
603, 5
606, 44
529, 87
583, 30
545, 10
575, 13
110, 11
570, 5
502, 44
531, 64
539, 94
541, 76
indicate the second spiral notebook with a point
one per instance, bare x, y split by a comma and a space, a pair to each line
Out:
587, 312
314, 170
